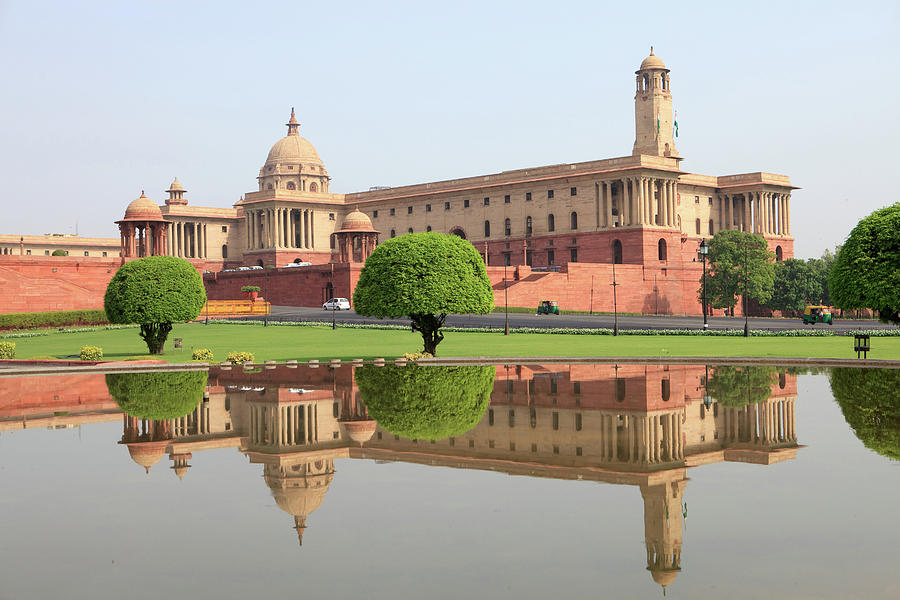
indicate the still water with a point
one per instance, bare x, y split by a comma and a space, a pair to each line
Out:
563, 481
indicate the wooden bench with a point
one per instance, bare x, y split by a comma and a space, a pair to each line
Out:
235, 308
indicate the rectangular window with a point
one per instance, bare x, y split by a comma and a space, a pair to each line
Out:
46, 253
104, 254
573, 191
86, 253
549, 193
471, 443
507, 259
512, 417
393, 212
576, 387
446, 206
506, 199
551, 257
577, 421
528, 195
427, 208
577, 450
375, 214
534, 447
487, 201
512, 446
466, 203
409, 210
555, 449
555, 421
490, 417
573, 255
710, 201
490, 443
224, 228
28, 253
696, 199
331, 216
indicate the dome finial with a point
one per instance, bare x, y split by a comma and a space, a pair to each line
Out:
651, 50
293, 125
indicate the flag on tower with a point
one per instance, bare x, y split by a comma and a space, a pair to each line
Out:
675, 124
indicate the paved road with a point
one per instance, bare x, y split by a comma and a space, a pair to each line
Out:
294, 313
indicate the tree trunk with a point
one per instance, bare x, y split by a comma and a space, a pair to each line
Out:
155, 334
430, 327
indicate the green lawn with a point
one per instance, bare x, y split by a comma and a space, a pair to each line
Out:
304, 343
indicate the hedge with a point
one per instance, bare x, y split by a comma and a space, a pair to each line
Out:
56, 318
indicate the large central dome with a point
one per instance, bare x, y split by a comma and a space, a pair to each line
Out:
293, 164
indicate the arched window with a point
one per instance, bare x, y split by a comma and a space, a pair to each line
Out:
487, 229
778, 253
574, 219
428, 228
697, 226
551, 222
646, 82
458, 232
528, 225
507, 228
617, 252
782, 380
665, 389
224, 251
291, 185
393, 233
314, 187
661, 247
357, 242
711, 232
409, 230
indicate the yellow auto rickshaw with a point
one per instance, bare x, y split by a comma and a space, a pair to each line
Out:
548, 307
813, 314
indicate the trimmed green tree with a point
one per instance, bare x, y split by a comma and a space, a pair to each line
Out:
738, 262
870, 401
866, 272
155, 292
735, 386
157, 396
798, 283
424, 276
428, 403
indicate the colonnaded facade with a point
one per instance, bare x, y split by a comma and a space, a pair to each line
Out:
558, 226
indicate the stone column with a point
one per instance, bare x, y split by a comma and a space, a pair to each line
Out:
674, 200
312, 230
606, 191
626, 203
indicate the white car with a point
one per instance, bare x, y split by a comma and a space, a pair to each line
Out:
337, 304
299, 264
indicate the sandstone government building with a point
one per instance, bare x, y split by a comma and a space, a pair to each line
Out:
560, 232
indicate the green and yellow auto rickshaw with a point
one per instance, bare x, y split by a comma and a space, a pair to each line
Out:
548, 307
813, 314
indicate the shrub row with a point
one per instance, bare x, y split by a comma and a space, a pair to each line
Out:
575, 331
239, 358
204, 354
91, 353
52, 319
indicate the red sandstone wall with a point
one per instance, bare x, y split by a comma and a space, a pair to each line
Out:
38, 283
298, 286
25, 396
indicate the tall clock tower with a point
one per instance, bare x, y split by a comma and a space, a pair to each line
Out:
653, 123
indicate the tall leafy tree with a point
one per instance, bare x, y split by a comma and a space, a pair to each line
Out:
866, 272
797, 283
739, 262
424, 276
157, 396
155, 292
736, 386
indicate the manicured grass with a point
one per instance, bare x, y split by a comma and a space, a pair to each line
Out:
305, 343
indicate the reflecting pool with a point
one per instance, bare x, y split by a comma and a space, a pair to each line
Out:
564, 481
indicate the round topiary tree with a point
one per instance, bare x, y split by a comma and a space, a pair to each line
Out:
870, 401
429, 403
155, 292
157, 396
424, 276
866, 272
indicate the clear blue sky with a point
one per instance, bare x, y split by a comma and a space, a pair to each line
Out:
103, 99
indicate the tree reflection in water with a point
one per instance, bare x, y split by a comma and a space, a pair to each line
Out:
736, 386
157, 396
430, 403
870, 401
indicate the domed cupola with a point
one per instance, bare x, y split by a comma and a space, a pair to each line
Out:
654, 123
293, 165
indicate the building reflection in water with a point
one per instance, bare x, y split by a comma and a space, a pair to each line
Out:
640, 425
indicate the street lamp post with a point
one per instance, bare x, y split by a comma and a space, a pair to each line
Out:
746, 284
333, 322
615, 306
266, 294
505, 300
704, 251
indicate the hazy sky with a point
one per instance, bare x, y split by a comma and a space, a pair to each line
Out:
103, 99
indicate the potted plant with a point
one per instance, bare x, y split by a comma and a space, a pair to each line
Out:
250, 291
